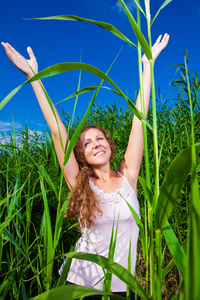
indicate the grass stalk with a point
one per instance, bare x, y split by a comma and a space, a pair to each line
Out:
146, 156
150, 214
156, 167
159, 265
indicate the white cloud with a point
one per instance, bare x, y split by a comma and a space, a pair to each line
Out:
7, 135
7, 132
130, 3
8, 126
33, 133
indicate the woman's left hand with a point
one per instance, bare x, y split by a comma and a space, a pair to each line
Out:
157, 48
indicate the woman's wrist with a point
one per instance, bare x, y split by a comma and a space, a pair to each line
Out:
31, 74
146, 66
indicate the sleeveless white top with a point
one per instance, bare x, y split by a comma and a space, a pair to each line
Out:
96, 239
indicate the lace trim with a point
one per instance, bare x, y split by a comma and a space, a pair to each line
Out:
113, 197
101, 192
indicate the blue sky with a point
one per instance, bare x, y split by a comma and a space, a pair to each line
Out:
64, 41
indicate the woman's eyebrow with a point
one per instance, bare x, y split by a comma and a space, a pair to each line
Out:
85, 140
90, 138
99, 135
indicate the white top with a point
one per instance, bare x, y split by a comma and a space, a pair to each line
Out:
96, 239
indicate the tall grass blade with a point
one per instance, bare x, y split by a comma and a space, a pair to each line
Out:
7, 285
48, 240
175, 249
140, 225
148, 193
63, 277
44, 173
103, 25
137, 31
65, 67
111, 252
113, 267
161, 7
73, 292
10, 215
172, 184
88, 89
9, 96
59, 221
137, 2
9, 238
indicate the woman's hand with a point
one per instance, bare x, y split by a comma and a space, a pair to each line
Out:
27, 66
157, 48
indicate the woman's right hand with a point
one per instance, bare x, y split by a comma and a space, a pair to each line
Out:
27, 66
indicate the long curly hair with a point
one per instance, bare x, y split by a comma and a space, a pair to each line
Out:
83, 202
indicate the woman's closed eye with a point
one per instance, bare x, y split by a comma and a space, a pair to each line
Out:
86, 144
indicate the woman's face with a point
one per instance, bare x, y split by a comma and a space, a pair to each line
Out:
95, 147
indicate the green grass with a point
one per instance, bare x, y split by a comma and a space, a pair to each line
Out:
27, 159
34, 233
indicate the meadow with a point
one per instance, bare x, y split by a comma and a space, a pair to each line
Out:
36, 235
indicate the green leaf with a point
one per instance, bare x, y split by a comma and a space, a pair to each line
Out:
135, 216
172, 184
87, 89
63, 276
175, 249
103, 25
137, 31
6, 285
148, 192
114, 268
137, 2
9, 96
59, 221
9, 237
44, 173
64, 67
48, 239
72, 292
162, 6
12, 205
112, 246
167, 269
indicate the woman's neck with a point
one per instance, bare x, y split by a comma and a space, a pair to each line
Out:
105, 174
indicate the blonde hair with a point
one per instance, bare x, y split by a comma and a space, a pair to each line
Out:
83, 202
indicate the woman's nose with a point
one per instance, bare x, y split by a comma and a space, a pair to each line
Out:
95, 144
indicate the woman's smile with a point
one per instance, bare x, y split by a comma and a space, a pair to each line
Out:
99, 153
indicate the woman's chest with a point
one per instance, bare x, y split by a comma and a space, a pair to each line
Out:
114, 205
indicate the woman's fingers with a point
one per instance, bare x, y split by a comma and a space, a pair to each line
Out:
158, 40
30, 52
165, 40
25, 65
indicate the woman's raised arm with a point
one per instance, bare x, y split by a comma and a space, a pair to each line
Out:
29, 68
130, 164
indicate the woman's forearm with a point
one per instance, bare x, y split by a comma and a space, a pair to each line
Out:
52, 117
146, 84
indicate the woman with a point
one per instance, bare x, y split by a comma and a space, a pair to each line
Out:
97, 192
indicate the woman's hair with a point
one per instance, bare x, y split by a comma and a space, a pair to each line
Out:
83, 202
